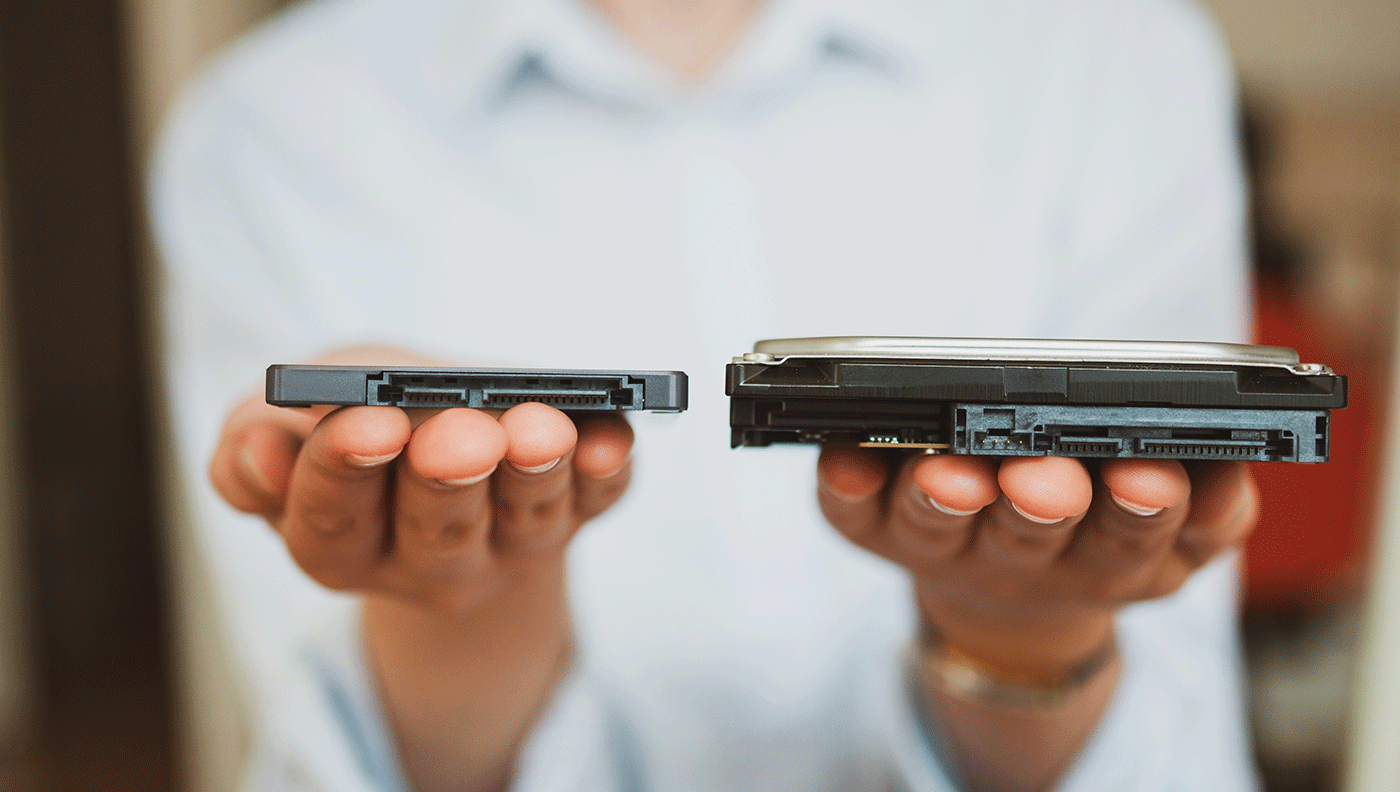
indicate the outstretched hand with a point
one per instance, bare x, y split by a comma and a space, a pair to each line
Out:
1022, 563
439, 509
453, 524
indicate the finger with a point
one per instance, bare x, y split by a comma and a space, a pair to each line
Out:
1224, 508
849, 485
1171, 574
533, 492
251, 467
1141, 506
1123, 549
1044, 499
442, 504
336, 520
1143, 488
602, 468
935, 501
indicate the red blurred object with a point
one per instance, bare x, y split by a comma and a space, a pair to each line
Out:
1309, 548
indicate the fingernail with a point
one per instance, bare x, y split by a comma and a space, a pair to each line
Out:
1033, 518
947, 509
1141, 511
468, 481
537, 468
369, 461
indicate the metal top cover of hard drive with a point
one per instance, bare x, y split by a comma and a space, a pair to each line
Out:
1064, 351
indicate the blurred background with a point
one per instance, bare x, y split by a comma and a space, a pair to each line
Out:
111, 676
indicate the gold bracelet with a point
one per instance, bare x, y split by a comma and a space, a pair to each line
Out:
972, 681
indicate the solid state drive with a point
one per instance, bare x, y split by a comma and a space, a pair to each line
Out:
571, 390
1020, 397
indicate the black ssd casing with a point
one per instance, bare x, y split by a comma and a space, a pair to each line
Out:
571, 390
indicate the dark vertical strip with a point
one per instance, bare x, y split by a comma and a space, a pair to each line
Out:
73, 312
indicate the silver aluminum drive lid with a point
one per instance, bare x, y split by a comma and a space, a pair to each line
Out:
1190, 353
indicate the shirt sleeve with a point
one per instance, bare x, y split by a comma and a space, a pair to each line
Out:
1178, 711
1154, 248
331, 733
241, 289
1175, 722
1155, 244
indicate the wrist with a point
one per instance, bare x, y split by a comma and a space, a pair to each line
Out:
1034, 647
953, 672
460, 690
977, 713
502, 609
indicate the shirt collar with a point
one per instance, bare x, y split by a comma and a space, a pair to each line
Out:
483, 53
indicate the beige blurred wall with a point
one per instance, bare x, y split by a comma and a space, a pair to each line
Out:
170, 39
168, 42
1326, 47
1325, 76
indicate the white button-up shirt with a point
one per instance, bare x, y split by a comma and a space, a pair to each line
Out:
509, 182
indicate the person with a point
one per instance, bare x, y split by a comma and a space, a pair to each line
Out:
475, 601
